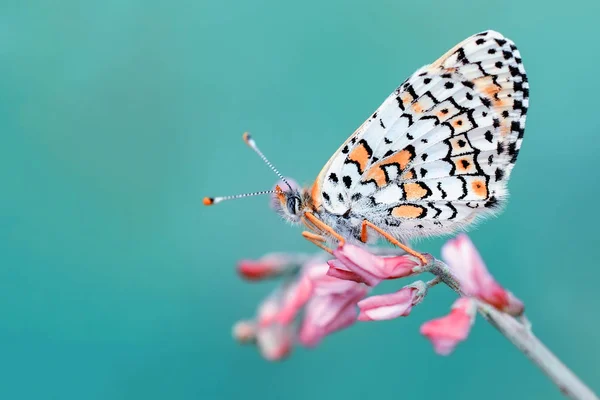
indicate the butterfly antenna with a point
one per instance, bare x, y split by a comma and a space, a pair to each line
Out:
209, 201
252, 144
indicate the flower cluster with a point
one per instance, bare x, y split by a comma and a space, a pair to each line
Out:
306, 307
318, 296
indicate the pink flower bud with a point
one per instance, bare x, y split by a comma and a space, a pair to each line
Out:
466, 264
269, 266
446, 332
244, 331
274, 342
388, 306
268, 310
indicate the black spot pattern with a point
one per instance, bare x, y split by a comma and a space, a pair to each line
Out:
499, 174
488, 136
347, 181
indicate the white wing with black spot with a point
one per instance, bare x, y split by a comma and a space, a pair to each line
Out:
440, 149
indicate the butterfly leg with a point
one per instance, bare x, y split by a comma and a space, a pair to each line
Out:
363, 237
322, 226
317, 240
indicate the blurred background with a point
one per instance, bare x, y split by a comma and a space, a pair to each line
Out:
118, 116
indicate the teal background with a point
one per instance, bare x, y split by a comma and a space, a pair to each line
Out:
117, 117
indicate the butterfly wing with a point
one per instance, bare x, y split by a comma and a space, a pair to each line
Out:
439, 151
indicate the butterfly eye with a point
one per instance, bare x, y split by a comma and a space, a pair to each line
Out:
293, 203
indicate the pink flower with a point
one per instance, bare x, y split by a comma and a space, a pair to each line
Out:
327, 314
367, 267
275, 342
466, 264
269, 310
324, 304
244, 331
296, 296
269, 266
313, 282
388, 306
446, 332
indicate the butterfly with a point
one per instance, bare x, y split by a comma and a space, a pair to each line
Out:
435, 157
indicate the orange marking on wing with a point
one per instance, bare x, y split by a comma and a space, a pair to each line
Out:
407, 98
479, 188
463, 164
487, 86
414, 191
402, 158
407, 211
442, 115
491, 90
457, 122
376, 174
417, 108
315, 194
408, 175
455, 145
360, 155
316, 187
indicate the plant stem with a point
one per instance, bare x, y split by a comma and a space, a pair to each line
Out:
518, 332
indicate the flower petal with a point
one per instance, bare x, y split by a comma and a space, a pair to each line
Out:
358, 261
326, 314
274, 342
294, 299
446, 332
466, 264
372, 268
244, 331
387, 306
269, 266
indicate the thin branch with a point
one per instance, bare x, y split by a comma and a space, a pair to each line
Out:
518, 332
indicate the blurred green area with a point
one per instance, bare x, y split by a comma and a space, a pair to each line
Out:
117, 117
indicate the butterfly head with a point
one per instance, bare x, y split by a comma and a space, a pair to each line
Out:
286, 198
288, 202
